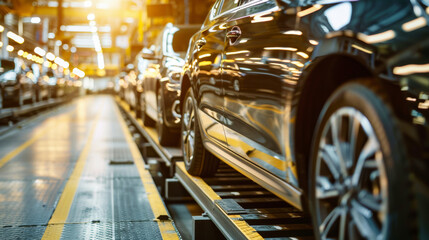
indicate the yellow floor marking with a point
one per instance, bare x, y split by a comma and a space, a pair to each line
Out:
58, 219
165, 227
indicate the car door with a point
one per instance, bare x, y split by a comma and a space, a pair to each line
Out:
264, 52
207, 55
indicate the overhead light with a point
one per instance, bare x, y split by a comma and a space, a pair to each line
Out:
91, 17
100, 58
54, 66
1, 44
73, 49
50, 56
85, 28
29, 56
1, 28
40, 51
66, 47
411, 69
51, 35
58, 43
79, 72
20, 53
35, 20
15, 37
9, 48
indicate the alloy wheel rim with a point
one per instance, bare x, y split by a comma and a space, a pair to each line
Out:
188, 130
350, 179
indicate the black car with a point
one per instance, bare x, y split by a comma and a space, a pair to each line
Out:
324, 103
42, 83
159, 99
17, 83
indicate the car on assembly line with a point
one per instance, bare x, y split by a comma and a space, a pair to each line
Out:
41, 83
159, 99
323, 102
131, 89
17, 83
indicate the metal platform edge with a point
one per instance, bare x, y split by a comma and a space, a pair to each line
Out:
232, 226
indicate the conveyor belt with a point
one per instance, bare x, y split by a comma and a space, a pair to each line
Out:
78, 175
242, 209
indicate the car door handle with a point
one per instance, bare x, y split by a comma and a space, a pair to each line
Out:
233, 34
200, 43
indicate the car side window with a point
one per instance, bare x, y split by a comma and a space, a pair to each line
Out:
228, 5
215, 9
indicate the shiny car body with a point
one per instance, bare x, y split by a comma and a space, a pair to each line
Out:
161, 80
17, 83
261, 72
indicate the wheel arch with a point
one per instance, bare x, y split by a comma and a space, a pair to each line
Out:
320, 80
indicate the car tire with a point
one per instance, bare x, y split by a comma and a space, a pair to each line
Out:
166, 135
147, 121
359, 183
198, 161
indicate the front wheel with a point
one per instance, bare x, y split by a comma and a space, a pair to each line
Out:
198, 160
359, 186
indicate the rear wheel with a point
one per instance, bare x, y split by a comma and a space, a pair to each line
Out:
147, 121
166, 136
359, 176
198, 160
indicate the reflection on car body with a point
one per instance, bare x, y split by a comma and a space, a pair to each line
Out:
324, 103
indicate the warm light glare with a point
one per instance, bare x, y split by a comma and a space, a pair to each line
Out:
281, 48
20, 53
50, 56
40, 51
15, 37
411, 69
311, 10
379, 37
91, 17
79, 72
35, 20
9, 48
1, 28
414, 24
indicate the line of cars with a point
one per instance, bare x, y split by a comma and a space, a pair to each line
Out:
21, 83
323, 102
